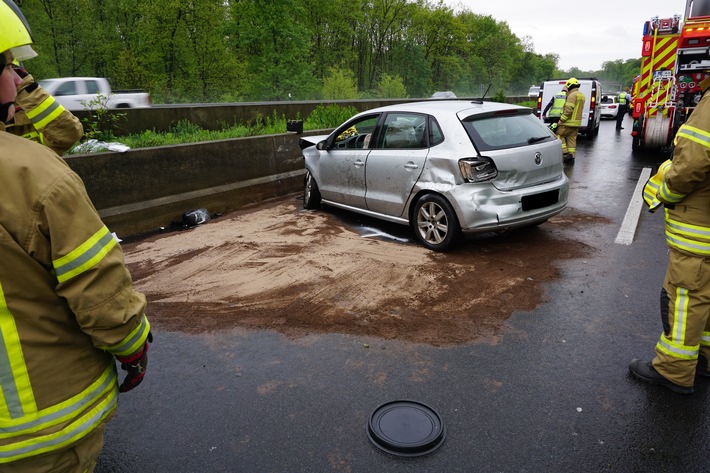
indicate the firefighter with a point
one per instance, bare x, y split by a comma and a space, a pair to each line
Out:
39, 117
570, 120
682, 185
67, 306
555, 106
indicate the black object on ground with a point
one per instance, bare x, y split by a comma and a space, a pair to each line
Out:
406, 428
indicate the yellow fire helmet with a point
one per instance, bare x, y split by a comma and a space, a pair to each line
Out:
15, 34
571, 83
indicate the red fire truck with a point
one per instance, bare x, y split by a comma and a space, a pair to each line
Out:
675, 58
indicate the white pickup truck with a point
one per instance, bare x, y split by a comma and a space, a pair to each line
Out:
81, 93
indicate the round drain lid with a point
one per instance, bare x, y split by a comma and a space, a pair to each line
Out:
406, 428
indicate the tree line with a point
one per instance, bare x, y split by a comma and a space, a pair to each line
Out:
253, 50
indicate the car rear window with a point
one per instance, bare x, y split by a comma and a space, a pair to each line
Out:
506, 130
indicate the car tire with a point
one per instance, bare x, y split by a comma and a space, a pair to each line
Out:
311, 194
435, 224
636, 141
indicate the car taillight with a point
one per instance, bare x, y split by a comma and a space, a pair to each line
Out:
478, 169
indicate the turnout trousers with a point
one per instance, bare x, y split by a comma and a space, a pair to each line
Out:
568, 136
79, 458
685, 307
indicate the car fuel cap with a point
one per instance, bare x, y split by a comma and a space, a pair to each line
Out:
406, 428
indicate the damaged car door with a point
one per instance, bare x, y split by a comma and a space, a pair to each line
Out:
396, 162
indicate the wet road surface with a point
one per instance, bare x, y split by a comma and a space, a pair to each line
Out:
552, 394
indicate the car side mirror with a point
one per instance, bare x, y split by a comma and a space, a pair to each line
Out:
322, 145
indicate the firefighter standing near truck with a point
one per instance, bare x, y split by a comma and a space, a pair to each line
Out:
67, 305
39, 117
570, 121
682, 186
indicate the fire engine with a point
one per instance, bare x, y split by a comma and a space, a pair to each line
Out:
675, 58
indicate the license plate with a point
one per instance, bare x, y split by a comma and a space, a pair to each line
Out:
538, 201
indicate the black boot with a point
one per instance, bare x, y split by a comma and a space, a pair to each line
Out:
645, 371
568, 160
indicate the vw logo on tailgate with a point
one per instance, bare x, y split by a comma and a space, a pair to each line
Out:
538, 158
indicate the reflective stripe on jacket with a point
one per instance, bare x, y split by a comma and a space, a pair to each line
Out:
650, 190
42, 119
686, 185
558, 104
66, 305
573, 109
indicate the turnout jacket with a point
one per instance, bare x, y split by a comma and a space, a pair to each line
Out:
66, 305
39, 117
573, 109
685, 188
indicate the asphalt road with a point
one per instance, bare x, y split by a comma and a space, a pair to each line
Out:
553, 394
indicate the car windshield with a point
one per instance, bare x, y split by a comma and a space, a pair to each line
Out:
608, 99
508, 129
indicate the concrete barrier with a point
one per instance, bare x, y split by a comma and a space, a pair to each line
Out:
161, 118
142, 190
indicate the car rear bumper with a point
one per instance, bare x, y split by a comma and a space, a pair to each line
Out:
483, 210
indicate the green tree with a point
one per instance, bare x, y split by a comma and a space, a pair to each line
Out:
438, 33
383, 25
494, 44
272, 41
339, 85
391, 87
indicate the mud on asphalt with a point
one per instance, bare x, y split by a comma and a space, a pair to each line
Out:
279, 267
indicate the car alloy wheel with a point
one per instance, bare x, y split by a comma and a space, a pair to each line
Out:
435, 223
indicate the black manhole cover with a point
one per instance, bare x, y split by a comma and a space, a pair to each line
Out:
406, 428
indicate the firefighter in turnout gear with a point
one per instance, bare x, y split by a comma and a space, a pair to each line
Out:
682, 185
39, 117
553, 109
570, 121
68, 310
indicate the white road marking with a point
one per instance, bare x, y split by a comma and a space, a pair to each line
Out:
628, 226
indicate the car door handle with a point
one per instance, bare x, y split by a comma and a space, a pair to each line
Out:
358, 164
411, 165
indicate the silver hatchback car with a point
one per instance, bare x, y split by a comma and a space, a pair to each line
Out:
442, 167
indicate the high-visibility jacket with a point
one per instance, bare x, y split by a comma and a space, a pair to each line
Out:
42, 119
558, 104
623, 98
685, 189
67, 305
573, 109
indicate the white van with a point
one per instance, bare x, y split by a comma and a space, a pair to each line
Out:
592, 90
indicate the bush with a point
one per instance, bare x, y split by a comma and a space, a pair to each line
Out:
328, 116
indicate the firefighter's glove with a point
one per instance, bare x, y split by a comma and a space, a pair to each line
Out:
135, 366
28, 82
650, 190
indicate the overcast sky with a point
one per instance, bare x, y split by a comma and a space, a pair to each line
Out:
583, 33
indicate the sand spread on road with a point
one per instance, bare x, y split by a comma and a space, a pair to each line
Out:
283, 268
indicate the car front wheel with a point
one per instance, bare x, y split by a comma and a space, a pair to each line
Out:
435, 224
311, 194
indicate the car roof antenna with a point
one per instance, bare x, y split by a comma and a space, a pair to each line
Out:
484, 95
